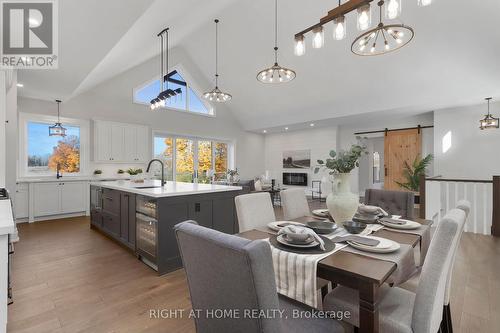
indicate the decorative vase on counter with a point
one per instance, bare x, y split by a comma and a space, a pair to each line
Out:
342, 203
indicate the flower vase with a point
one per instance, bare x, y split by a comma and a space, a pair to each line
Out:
342, 203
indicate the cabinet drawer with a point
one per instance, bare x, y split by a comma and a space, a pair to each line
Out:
111, 201
111, 223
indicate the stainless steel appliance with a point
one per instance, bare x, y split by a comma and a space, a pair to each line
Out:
147, 230
4, 195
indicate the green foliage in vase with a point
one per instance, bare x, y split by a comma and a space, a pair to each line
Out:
97, 172
413, 172
342, 162
134, 171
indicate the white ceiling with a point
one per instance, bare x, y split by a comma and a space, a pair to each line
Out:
452, 61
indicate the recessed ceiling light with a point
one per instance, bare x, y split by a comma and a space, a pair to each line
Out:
311, 124
264, 131
286, 128
20, 85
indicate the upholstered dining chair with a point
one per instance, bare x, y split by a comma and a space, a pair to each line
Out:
254, 210
393, 202
412, 284
401, 310
294, 203
236, 275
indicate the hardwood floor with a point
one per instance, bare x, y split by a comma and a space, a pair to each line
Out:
69, 278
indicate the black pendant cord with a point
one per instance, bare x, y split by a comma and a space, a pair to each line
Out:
161, 64
489, 99
216, 53
166, 54
58, 117
276, 32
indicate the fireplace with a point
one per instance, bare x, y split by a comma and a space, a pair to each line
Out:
298, 179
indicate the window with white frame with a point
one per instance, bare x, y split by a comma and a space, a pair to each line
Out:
188, 100
189, 159
41, 154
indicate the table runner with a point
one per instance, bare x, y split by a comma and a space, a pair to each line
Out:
425, 238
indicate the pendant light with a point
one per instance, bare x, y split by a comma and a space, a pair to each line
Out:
217, 95
383, 39
489, 122
57, 129
276, 73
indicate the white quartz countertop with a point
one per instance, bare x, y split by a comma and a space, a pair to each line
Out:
153, 188
68, 179
7, 224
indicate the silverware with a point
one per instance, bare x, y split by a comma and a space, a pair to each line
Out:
392, 221
357, 239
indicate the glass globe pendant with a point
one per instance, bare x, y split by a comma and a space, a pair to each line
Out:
57, 129
276, 73
217, 95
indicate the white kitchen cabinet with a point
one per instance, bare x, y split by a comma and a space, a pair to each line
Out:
46, 199
122, 143
73, 197
21, 201
57, 198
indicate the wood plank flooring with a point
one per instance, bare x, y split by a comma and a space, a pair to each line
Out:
69, 278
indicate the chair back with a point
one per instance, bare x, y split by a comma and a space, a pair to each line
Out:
465, 206
393, 202
428, 307
254, 210
227, 273
294, 203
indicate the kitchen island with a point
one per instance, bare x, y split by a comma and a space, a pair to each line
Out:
141, 216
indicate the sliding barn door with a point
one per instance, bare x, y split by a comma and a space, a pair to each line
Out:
400, 146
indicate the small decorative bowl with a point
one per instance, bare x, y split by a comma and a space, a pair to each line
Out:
354, 227
322, 227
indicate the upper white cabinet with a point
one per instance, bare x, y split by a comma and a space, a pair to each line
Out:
122, 143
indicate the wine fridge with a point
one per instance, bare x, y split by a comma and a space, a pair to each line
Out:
147, 231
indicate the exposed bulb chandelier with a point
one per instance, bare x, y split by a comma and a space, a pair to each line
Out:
216, 95
57, 129
380, 40
384, 38
165, 92
276, 73
489, 122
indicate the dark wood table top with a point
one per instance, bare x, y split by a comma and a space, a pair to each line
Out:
354, 265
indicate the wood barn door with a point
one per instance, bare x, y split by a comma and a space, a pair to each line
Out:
400, 146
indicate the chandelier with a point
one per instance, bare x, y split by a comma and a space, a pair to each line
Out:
386, 38
276, 73
489, 122
216, 94
57, 129
165, 92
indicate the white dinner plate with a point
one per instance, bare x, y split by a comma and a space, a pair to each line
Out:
320, 212
385, 245
281, 239
409, 225
275, 225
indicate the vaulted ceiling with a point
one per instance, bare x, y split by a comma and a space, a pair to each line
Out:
452, 61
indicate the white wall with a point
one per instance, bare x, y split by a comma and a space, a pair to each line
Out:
112, 100
473, 153
319, 140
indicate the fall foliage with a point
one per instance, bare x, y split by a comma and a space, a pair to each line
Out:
66, 154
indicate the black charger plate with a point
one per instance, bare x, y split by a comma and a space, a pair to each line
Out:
329, 246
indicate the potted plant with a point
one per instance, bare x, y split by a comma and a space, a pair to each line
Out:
412, 174
232, 176
121, 173
97, 173
136, 175
342, 203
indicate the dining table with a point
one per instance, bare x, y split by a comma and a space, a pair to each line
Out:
362, 273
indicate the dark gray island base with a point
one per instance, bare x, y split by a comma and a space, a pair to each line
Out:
144, 224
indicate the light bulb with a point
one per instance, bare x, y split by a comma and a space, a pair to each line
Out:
372, 50
362, 48
339, 28
398, 40
318, 38
152, 106
387, 46
364, 17
424, 3
393, 9
300, 46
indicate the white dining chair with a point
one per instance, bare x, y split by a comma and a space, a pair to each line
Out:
401, 310
254, 210
294, 203
412, 283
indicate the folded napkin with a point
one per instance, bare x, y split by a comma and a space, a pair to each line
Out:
293, 229
393, 221
371, 210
